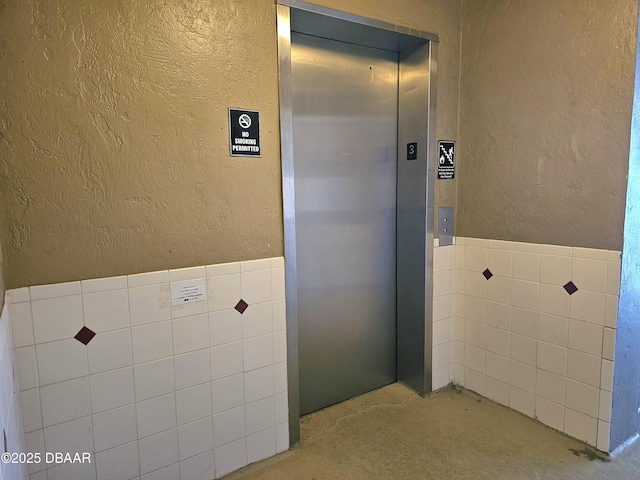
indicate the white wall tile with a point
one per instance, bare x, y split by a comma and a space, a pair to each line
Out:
458, 328
148, 278
277, 262
277, 283
193, 403
524, 322
34, 443
553, 329
439, 379
156, 415
497, 391
527, 247
459, 280
31, 409
585, 337
279, 315
257, 320
590, 274
590, 253
261, 445
259, 415
225, 326
22, 324
224, 291
475, 309
582, 398
611, 311
580, 426
526, 266
551, 387
441, 307
258, 384
110, 350
500, 262
459, 261
158, 451
72, 436
192, 368
550, 413
552, 358
152, 342
198, 467
228, 426
114, 427
65, 401
280, 377
230, 457
476, 258
475, 334
525, 294
499, 244
108, 310
603, 436
441, 331
61, 360
583, 368
475, 381
170, 472
282, 437
112, 389
119, 462
190, 333
476, 242
608, 343
443, 258
103, 284
523, 376
554, 300
26, 366
558, 250
17, 295
258, 352
524, 349
499, 341
56, 290
153, 379
253, 265
606, 376
85, 471
523, 402
475, 358
499, 315
195, 307
195, 438
555, 270
475, 286
604, 410
588, 306
149, 304
223, 269
498, 367
228, 393
499, 289
227, 359
189, 273
57, 318
256, 286
613, 278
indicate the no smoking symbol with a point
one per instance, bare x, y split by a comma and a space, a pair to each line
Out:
244, 120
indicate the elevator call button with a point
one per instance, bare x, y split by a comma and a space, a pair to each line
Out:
244, 133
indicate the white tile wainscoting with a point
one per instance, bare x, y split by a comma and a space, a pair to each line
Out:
10, 414
530, 326
163, 390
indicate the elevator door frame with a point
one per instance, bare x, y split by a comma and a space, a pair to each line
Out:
415, 182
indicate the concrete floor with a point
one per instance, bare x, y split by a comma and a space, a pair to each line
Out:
393, 433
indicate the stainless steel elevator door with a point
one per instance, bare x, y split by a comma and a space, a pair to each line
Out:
345, 108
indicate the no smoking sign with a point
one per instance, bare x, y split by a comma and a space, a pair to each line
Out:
244, 133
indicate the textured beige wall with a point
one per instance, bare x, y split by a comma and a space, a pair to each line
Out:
114, 140
545, 109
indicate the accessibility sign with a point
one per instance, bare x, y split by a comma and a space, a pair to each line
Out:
446, 159
244, 133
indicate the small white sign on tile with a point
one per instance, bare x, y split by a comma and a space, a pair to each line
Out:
189, 291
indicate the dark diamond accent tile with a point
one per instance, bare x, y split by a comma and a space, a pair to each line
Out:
570, 288
85, 335
241, 306
487, 274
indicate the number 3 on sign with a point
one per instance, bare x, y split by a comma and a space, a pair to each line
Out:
412, 151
